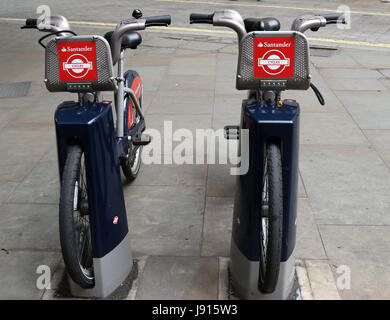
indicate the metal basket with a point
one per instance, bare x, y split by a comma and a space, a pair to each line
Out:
259, 67
79, 64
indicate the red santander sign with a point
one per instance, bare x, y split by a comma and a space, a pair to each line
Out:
77, 61
274, 58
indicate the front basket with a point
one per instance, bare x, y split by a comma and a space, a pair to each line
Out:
79, 64
273, 61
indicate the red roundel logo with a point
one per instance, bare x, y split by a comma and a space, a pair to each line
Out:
274, 57
77, 65
77, 61
274, 62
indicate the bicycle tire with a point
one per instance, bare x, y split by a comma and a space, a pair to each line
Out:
271, 219
75, 235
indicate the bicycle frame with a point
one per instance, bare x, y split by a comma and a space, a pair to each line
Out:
119, 92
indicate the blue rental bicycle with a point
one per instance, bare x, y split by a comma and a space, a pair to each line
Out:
93, 141
264, 220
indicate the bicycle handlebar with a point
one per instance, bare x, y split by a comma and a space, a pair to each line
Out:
201, 18
232, 19
158, 21
224, 18
304, 23
133, 25
334, 17
30, 24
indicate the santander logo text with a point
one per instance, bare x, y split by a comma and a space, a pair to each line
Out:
82, 49
274, 45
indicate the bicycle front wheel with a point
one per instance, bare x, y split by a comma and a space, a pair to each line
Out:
75, 231
271, 219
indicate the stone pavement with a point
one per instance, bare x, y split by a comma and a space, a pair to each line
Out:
180, 215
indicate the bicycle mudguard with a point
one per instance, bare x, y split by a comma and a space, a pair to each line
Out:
265, 123
133, 81
91, 125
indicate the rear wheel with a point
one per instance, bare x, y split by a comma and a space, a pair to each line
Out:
271, 219
75, 231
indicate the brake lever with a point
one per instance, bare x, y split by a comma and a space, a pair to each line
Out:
319, 96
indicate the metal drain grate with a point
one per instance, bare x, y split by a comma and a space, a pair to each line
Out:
16, 89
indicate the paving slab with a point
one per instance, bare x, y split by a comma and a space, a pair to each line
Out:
227, 86
19, 277
6, 188
7, 114
177, 84
308, 245
346, 185
350, 73
156, 58
341, 59
227, 111
220, 183
29, 226
368, 109
188, 65
42, 185
385, 72
151, 76
231, 49
321, 279
301, 188
380, 139
201, 45
226, 66
172, 175
18, 156
330, 129
371, 59
355, 84
20, 66
165, 221
184, 102
184, 95
164, 42
385, 82
217, 228
179, 278
365, 251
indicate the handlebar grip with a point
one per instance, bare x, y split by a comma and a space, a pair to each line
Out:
158, 21
201, 18
334, 17
31, 24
